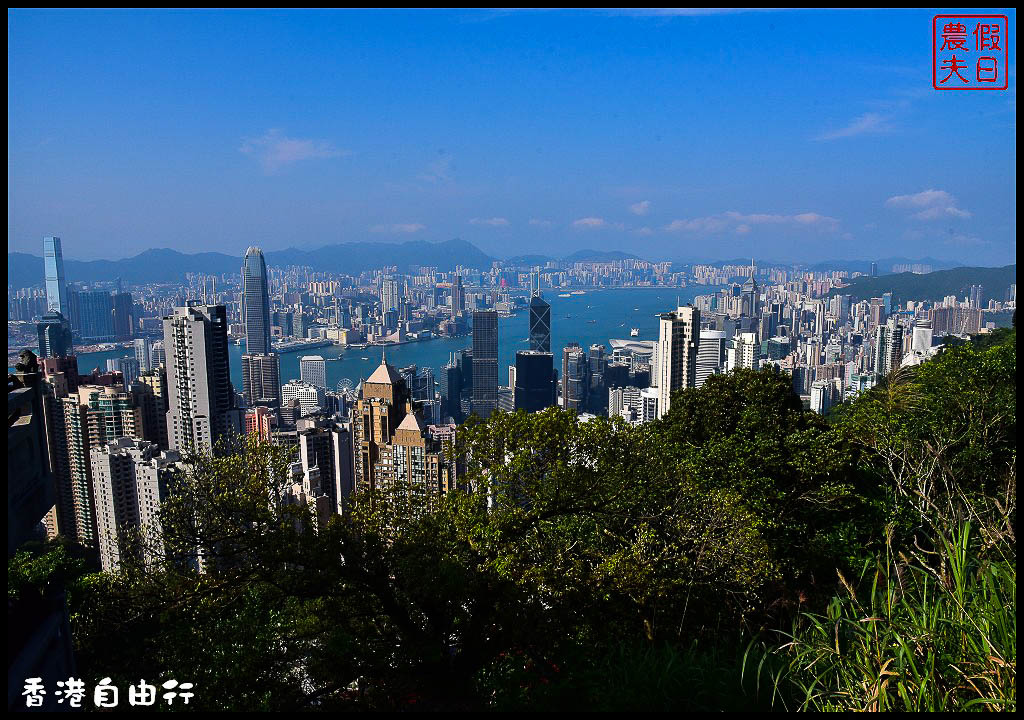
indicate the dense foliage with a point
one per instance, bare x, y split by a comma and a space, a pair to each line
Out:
740, 553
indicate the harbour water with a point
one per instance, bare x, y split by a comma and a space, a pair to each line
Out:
595, 317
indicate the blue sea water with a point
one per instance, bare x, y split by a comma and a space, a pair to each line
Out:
595, 317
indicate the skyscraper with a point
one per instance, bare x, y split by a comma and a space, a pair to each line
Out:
261, 380
313, 370
56, 287
261, 369
540, 324
534, 380
678, 343
255, 303
54, 336
888, 346
485, 362
711, 355
200, 397
575, 381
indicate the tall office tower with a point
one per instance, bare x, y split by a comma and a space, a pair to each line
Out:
201, 400
711, 356
325, 450
597, 393
422, 385
534, 380
888, 347
485, 362
392, 450
575, 383
142, 354
261, 380
255, 303
464, 358
92, 314
922, 339
451, 391
390, 294
157, 356
313, 370
54, 336
678, 344
825, 394
123, 317
743, 351
535, 287
874, 269
540, 324
650, 404
127, 366
259, 421
56, 286
130, 480
311, 398
458, 296
621, 400
749, 294
975, 296
150, 390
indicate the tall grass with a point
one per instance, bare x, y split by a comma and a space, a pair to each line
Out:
922, 633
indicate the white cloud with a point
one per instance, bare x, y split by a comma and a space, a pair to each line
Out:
866, 124
398, 228
742, 223
493, 222
641, 208
928, 205
274, 150
538, 222
589, 223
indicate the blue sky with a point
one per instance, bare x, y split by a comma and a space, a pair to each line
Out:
800, 136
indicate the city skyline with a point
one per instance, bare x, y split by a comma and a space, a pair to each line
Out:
604, 130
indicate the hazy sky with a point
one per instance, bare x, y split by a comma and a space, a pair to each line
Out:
785, 135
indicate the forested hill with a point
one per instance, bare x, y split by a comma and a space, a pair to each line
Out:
935, 285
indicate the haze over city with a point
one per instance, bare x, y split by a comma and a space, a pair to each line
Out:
690, 135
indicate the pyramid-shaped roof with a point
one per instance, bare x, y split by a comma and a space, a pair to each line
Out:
384, 374
411, 422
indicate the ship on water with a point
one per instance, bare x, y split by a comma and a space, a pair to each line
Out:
633, 332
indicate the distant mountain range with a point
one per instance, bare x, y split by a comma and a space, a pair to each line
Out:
934, 285
586, 255
165, 266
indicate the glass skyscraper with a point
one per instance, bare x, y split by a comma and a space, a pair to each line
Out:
540, 324
56, 286
485, 362
255, 303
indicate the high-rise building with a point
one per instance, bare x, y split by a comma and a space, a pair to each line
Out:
92, 314
150, 391
127, 366
130, 480
123, 315
56, 286
392, 449
143, 353
711, 356
485, 362
888, 347
678, 344
325, 450
311, 398
534, 380
261, 379
451, 391
255, 303
743, 351
540, 324
201, 401
54, 336
458, 296
975, 296
313, 370
575, 380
